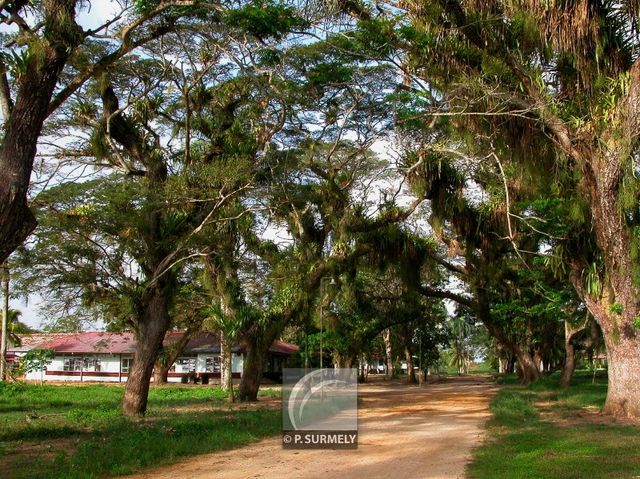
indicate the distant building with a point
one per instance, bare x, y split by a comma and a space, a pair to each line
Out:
101, 356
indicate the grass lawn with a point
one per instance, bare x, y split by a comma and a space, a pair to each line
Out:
543, 431
78, 431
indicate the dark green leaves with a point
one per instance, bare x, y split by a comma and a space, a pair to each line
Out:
265, 20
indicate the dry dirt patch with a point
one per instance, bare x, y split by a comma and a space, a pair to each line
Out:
270, 403
406, 432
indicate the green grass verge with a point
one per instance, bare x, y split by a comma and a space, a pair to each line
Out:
543, 431
482, 368
70, 431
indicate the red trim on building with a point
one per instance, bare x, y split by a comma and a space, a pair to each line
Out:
103, 374
199, 375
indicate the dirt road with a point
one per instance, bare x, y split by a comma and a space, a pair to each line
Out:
404, 433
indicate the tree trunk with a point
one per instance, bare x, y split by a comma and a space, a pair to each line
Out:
5, 322
512, 365
386, 337
23, 126
160, 374
251, 373
570, 353
617, 305
224, 354
168, 355
569, 363
257, 343
623, 354
363, 369
344, 361
537, 359
526, 363
620, 338
411, 374
229, 378
623, 394
226, 366
151, 330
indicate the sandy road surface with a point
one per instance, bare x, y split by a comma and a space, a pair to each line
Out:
404, 433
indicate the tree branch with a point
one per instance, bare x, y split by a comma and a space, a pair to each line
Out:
438, 293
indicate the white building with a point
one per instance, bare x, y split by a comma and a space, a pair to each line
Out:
107, 357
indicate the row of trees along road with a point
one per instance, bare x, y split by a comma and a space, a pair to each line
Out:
179, 138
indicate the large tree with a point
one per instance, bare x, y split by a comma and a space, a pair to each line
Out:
182, 140
44, 62
566, 70
551, 90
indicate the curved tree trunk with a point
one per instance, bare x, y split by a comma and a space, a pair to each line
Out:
150, 333
168, 355
570, 353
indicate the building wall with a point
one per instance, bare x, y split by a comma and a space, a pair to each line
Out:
111, 369
99, 367
237, 363
184, 365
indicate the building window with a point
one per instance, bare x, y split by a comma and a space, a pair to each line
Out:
92, 364
73, 364
212, 364
188, 365
125, 364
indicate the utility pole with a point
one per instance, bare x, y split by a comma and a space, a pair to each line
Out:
306, 352
322, 287
5, 316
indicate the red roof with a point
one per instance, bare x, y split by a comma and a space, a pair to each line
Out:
125, 343
27, 340
280, 347
91, 342
31, 341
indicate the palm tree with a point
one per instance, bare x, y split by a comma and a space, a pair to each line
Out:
460, 356
15, 327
